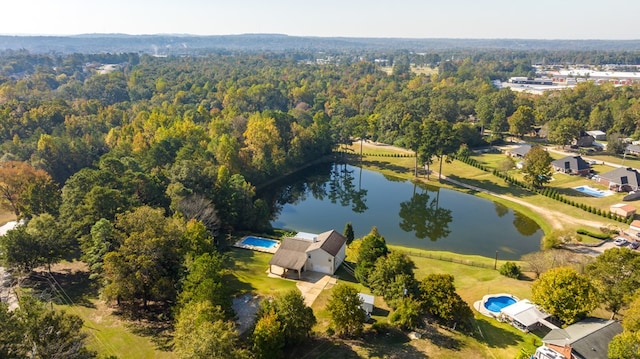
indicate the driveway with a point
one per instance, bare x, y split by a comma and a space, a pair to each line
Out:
312, 284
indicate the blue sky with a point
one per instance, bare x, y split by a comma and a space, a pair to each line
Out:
541, 19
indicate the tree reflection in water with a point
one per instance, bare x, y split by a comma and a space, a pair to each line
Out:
343, 190
335, 182
423, 215
524, 225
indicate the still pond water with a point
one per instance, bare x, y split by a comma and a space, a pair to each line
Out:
330, 195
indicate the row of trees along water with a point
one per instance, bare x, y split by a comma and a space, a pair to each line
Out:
143, 171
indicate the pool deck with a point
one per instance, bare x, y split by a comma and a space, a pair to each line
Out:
589, 191
479, 305
271, 250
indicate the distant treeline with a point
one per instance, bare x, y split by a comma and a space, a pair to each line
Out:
538, 51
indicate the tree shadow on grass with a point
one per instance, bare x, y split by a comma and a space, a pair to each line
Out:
322, 348
382, 165
390, 343
65, 286
241, 258
440, 338
345, 275
494, 336
152, 323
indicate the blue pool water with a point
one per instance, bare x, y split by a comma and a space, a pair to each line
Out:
495, 304
259, 242
593, 192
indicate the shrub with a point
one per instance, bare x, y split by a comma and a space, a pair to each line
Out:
510, 269
592, 234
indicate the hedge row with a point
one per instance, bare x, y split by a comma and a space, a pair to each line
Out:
548, 192
594, 235
376, 154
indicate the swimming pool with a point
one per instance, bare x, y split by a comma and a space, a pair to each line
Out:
496, 304
593, 192
258, 242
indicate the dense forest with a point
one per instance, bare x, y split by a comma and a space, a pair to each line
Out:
143, 165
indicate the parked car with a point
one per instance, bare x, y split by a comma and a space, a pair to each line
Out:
619, 241
634, 245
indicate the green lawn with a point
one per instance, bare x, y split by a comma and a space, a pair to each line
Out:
109, 335
249, 274
491, 338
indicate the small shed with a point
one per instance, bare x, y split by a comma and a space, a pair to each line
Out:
623, 210
635, 225
367, 302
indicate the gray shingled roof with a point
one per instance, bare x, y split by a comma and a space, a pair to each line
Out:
576, 163
291, 254
623, 176
588, 338
633, 148
521, 150
330, 241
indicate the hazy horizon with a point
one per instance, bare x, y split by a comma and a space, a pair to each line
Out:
407, 19
104, 34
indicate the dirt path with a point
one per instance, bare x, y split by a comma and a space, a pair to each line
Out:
555, 218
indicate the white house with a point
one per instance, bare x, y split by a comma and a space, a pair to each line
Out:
322, 253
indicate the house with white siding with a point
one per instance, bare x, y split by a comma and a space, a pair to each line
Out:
322, 253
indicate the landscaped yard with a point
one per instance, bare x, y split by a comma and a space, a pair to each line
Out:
490, 339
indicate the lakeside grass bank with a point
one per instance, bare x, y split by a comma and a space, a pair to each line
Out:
396, 162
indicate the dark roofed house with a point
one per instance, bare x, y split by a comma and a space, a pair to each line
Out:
584, 140
587, 339
574, 165
323, 253
520, 151
621, 179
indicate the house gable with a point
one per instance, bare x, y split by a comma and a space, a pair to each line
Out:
571, 164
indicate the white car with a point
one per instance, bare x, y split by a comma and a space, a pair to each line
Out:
619, 241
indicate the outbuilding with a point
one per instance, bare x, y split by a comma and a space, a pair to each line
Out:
623, 210
367, 303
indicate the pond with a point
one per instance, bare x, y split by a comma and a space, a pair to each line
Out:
414, 215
